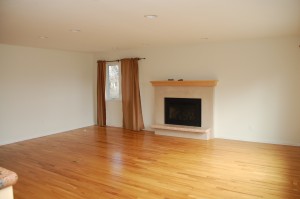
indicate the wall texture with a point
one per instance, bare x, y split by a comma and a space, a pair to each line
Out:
44, 92
257, 98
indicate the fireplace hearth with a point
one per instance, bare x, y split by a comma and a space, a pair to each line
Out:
183, 111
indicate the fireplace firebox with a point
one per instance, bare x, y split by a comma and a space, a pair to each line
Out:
183, 111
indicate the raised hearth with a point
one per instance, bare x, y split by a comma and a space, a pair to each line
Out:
182, 131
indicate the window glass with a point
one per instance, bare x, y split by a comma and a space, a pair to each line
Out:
113, 81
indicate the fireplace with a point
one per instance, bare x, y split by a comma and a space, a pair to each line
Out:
202, 91
183, 111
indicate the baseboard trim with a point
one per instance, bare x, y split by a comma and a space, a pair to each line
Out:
260, 141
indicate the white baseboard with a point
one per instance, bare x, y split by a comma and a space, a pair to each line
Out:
260, 141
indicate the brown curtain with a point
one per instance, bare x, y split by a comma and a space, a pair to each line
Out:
101, 109
132, 109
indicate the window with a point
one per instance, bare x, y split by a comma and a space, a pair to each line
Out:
113, 82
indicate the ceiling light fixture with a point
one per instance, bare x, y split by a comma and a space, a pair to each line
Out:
43, 37
150, 16
75, 30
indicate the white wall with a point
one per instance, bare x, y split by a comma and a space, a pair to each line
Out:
114, 113
44, 92
258, 95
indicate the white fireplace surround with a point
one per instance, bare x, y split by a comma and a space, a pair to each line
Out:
185, 89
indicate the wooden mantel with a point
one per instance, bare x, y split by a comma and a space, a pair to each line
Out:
200, 83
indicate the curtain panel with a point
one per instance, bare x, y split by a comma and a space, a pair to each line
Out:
101, 106
131, 100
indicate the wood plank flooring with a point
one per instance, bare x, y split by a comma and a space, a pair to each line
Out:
97, 162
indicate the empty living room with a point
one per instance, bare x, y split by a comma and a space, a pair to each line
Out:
140, 99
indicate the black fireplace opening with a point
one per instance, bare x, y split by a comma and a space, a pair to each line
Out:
183, 111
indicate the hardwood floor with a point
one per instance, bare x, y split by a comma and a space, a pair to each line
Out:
95, 162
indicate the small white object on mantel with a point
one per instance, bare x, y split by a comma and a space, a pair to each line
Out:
182, 131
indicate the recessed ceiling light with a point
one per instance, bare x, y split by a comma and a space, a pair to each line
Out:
43, 37
75, 30
150, 16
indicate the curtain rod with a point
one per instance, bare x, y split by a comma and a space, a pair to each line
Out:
118, 60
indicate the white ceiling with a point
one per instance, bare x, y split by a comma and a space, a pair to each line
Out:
120, 24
